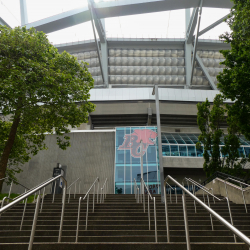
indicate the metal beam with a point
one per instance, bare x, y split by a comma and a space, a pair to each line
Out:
188, 50
23, 12
2, 22
119, 8
98, 24
196, 40
203, 68
192, 25
212, 26
96, 42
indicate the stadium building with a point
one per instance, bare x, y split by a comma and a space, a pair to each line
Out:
126, 71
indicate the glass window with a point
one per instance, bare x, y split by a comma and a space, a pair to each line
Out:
174, 150
172, 141
241, 152
199, 152
247, 151
165, 150
191, 151
183, 150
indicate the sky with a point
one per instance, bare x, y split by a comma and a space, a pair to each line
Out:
166, 24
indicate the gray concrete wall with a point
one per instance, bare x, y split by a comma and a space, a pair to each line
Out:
234, 192
183, 162
91, 155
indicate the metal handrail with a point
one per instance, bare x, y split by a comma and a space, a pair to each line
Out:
87, 212
136, 191
33, 191
104, 191
75, 188
171, 192
211, 211
214, 197
143, 185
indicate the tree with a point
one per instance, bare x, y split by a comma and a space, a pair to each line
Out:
41, 91
210, 121
234, 81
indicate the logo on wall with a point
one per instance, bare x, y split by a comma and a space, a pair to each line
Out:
132, 141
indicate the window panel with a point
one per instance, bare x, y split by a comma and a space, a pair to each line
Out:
174, 150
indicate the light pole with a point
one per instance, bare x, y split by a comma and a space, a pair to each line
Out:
158, 119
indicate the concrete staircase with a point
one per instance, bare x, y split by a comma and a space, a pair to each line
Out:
120, 224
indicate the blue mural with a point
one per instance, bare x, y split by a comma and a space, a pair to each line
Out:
128, 159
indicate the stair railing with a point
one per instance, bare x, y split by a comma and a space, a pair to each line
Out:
69, 188
234, 230
87, 212
11, 185
104, 191
31, 192
214, 197
170, 191
241, 188
143, 185
137, 192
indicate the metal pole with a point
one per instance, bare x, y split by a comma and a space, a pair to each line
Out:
175, 195
196, 41
54, 192
166, 213
211, 218
194, 200
87, 213
10, 191
78, 218
69, 195
75, 191
62, 213
155, 220
42, 200
24, 209
94, 200
243, 198
34, 223
149, 225
231, 218
157, 105
186, 220
141, 149
97, 191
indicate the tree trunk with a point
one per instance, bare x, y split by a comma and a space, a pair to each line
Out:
7, 149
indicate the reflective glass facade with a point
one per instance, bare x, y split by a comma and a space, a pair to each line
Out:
183, 145
128, 159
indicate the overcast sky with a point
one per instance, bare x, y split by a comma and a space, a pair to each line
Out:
167, 24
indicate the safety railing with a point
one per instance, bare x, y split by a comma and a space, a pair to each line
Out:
208, 201
142, 200
87, 211
170, 192
234, 230
31, 192
11, 185
69, 188
104, 191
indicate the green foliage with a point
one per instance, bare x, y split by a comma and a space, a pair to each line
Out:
234, 81
210, 122
12, 196
41, 91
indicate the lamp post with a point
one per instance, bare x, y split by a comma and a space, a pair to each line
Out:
157, 105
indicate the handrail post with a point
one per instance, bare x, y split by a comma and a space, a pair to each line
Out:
42, 200
213, 194
243, 196
87, 213
149, 223
54, 192
94, 200
194, 200
186, 220
143, 200
78, 218
155, 220
69, 194
97, 191
32, 235
175, 195
231, 218
75, 190
24, 209
211, 218
166, 213
62, 213
10, 191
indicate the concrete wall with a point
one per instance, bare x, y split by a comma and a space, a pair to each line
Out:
234, 192
91, 155
183, 162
